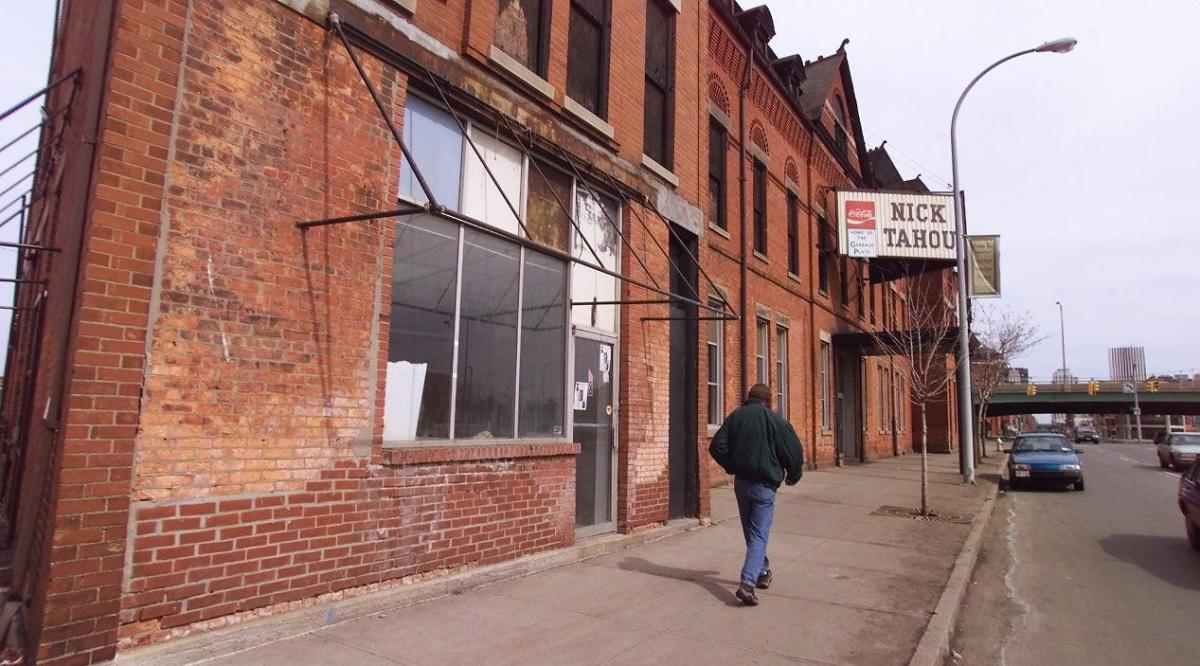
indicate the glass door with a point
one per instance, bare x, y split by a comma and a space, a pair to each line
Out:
592, 405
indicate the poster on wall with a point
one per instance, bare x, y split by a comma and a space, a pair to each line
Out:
581, 396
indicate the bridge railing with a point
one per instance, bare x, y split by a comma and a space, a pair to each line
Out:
1104, 386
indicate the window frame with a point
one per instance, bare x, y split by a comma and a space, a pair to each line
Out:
825, 362
762, 350
541, 62
718, 161
824, 251
716, 369
759, 194
666, 87
793, 222
603, 25
782, 381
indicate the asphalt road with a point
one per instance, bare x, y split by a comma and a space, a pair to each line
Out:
1103, 576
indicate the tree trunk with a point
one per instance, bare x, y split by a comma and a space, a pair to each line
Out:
981, 445
924, 464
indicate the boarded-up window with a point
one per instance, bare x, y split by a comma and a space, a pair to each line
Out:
660, 74
588, 285
587, 55
482, 200
522, 31
545, 217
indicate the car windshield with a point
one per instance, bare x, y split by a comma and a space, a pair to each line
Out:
1185, 440
1087, 429
1042, 443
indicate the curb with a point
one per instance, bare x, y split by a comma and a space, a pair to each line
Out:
254, 632
935, 641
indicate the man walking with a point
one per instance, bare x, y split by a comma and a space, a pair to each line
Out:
761, 450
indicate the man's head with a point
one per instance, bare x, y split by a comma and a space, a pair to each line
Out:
760, 392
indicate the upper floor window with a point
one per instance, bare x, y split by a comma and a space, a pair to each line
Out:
660, 82
824, 255
760, 208
587, 55
793, 213
523, 32
839, 124
716, 174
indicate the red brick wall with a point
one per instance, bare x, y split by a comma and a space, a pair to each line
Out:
356, 526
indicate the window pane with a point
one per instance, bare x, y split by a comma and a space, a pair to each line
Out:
543, 347
519, 33
716, 174
585, 61
436, 145
487, 358
655, 125
781, 371
760, 207
716, 370
481, 198
764, 332
659, 28
421, 333
793, 233
589, 285
545, 217
593, 8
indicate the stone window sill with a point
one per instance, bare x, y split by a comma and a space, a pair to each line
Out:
795, 278
762, 257
424, 453
660, 170
592, 120
720, 231
510, 65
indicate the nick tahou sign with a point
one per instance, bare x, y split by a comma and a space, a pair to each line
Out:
885, 224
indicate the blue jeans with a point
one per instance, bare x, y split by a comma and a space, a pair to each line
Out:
756, 506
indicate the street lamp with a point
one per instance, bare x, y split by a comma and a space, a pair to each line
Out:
1063, 334
966, 436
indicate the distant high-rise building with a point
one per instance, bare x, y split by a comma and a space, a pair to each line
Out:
1127, 364
1064, 376
1018, 376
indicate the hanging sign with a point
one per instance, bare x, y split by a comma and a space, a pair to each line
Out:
893, 224
984, 257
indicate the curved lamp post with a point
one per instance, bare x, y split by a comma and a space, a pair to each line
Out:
966, 435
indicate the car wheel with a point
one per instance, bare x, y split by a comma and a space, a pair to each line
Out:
1193, 533
1078, 484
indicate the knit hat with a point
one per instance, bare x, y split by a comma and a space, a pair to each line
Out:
760, 392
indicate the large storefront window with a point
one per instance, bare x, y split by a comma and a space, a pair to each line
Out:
486, 293
421, 338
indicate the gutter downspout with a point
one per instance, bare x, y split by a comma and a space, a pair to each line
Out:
812, 302
742, 266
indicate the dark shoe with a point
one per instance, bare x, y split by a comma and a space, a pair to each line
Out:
764, 580
746, 595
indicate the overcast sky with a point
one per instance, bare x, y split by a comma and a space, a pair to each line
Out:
1084, 163
1081, 162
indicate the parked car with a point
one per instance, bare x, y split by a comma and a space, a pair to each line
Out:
1040, 457
1086, 434
1178, 449
1189, 503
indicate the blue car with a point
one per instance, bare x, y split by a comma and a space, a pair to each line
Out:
1189, 503
1044, 458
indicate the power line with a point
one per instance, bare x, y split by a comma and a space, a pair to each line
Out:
911, 161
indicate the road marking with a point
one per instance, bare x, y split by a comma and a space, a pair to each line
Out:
1024, 609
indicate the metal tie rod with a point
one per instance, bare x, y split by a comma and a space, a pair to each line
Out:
43, 91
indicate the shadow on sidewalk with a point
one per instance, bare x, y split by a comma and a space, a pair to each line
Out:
718, 587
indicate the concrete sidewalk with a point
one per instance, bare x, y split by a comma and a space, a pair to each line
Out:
853, 584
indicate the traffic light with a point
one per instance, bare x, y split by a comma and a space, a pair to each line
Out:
1031, 390
1152, 385
1093, 387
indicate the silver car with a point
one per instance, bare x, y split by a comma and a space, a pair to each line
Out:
1178, 449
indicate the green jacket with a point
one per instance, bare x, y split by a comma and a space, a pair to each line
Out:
758, 444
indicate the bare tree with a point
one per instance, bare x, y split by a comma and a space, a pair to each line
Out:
1003, 336
920, 339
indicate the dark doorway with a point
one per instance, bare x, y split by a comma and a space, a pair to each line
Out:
682, 457
849, 389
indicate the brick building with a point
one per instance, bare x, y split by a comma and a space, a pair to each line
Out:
277, 360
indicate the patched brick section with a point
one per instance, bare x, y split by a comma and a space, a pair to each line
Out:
356, 526
260, 372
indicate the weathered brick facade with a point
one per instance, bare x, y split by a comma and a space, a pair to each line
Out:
218, 450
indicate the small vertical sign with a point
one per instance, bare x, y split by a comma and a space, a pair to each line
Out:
860, 229
984, 256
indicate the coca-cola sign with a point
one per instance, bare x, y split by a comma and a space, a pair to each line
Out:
860, 214
892, 224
